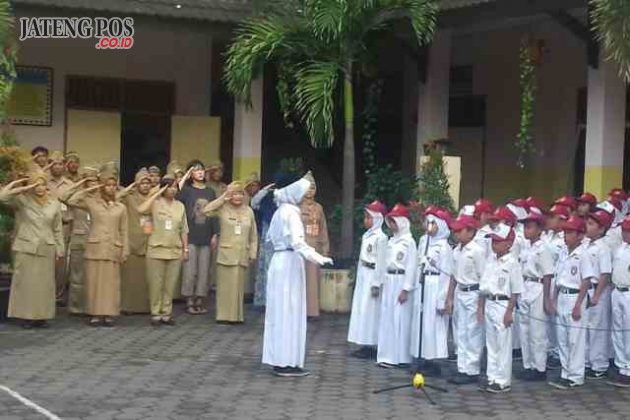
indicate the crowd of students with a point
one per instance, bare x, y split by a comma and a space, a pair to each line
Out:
553, 283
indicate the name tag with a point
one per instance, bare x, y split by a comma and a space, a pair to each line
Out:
238, 229
144, 220
88, 217
168, 224
312, 230
64, 207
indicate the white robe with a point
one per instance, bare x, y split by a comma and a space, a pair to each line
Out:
366, 309
284, 339
394, 334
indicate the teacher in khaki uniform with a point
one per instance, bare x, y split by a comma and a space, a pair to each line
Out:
106, 249
238, 247
134, 289
37, 242
167, 246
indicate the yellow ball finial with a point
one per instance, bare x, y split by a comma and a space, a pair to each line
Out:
418, 380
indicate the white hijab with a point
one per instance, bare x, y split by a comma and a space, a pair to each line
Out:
292, 193
377, 223
287, 200
404, 227
443, 232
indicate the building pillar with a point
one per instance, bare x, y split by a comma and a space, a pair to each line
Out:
247, 147
605, 130
434, 95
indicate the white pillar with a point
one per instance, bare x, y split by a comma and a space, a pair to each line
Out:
433, 95
247, 146
605, 129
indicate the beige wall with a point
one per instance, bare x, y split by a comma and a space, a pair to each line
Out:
563, 71
168, 52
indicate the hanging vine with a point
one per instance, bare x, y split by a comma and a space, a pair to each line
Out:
528, 70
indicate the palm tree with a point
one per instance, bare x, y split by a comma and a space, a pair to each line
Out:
611, 20
7, 56
317, 47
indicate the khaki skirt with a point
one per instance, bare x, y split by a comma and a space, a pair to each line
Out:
102, 288
134, 287
32, 295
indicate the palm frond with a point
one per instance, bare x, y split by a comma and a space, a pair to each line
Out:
316, 85
326, 17
257, 39
611, 19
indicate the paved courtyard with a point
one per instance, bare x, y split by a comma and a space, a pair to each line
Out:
201, 370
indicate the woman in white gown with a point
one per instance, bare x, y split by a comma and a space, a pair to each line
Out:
435, 258
394, 333
366, 302
284, 340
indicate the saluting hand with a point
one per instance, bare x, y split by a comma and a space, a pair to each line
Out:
12, 184
269, 186
92, 188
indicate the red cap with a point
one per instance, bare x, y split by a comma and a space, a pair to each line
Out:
575, 224
560, 210
615, 201
520, 202
398, 211
502, 233
483, 206
504, 214
602, 217
377, 207
462, 222
618, 193
625, 223
444, 215
431, 209
534, 202
567, 202
534, 217
587, 198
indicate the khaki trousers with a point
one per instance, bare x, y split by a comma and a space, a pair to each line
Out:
162, 277
76, 291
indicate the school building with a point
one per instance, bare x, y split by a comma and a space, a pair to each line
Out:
163, 98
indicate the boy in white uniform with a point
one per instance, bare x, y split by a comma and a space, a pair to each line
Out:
568, 301
598, 344
621, 308
538, 270
501, 284
469, 259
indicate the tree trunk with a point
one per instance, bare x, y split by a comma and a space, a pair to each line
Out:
347, 202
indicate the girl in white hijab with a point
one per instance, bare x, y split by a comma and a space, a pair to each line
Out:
284, 340
435, 260
394, 332
366, 301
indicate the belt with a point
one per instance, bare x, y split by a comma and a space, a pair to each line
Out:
534, 279
569, 291
395, 271
431, 273
369, 265
622, 289
283, 250
468, 288
497, 297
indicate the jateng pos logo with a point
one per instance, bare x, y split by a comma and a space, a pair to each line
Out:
111, 33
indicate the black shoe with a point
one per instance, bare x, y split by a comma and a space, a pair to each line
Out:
463, 379
553, 363
168, 321
108, 322
386, 365
290, 372
563, 384
95, 322
517, 354
596, 374
620, 381
498, 389
156, 322
28, 325
41, 324
364, 352
534, 375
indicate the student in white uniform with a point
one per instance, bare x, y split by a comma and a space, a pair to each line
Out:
435, 259
394, 333
284, 340
469, 259
573, 277
586, 204
613, 235
501, 284
598, 337
538, 269
366, 301
621, 308
482, 211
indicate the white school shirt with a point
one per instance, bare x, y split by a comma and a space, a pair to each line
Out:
373, 251
401, 255
469, 263
574, 267
621, 266
537, 260
502, 276
601, 257
555, 241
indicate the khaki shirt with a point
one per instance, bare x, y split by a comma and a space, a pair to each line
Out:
108, 239
57, 188
315, 226
137, 223
38, 227
238, 242
169, 224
